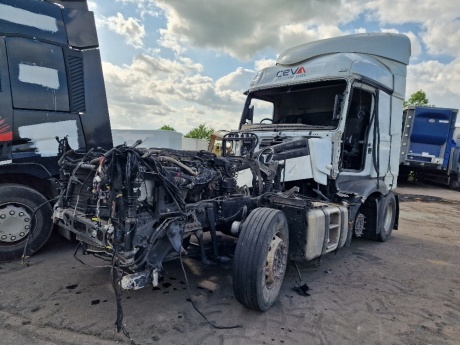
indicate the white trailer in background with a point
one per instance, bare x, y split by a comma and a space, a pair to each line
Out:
157, 138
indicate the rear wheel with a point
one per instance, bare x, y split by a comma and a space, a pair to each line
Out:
387, 209
454, 182
261, 258
17, 206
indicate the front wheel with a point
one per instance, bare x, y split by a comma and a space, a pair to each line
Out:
387, 215
260, 258
18, 221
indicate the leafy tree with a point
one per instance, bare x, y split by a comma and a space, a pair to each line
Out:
167, 128
200, 132
417, 98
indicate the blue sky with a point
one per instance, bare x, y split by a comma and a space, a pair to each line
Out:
183, 63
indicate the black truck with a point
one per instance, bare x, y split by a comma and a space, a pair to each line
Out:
52, 98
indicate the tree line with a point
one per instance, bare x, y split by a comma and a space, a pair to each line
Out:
200, 132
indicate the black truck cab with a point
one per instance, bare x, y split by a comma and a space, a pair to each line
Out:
52, 97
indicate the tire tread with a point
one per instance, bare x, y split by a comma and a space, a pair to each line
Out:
248, 256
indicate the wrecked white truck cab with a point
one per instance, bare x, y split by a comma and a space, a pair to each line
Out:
345, 95
341, 99
297, 187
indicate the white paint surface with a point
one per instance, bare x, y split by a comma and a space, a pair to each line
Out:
296, 169
149, 137
43, 76
244, 178
43, 136
24, 17
320, 153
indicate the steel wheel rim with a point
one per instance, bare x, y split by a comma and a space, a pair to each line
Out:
388, 218
276, 261
15, 222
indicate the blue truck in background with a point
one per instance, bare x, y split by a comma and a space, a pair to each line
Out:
428, 146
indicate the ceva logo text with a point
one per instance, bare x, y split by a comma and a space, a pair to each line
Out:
291, 71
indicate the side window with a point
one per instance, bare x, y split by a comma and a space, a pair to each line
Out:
356, 129
38, 75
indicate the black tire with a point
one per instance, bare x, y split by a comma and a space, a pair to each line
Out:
17, 204
387, 216
454, 184
260, 258
404, 174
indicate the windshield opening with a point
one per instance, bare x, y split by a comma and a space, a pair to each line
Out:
316, 104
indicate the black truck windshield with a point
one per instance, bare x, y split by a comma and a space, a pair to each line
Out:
314, 105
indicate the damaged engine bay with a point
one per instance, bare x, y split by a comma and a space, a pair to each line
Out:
139, 207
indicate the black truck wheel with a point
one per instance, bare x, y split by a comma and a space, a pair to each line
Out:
260, 258
454, 182
387, 209
17, 205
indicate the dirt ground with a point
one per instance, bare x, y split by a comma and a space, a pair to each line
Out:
405, 291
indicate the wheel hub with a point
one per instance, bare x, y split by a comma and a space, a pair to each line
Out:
360, 223
276, 261
387, 220
15, 222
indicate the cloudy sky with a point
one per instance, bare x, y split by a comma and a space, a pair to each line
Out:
182, 63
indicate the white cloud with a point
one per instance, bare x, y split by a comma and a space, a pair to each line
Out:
176, 42
145, 7
295, 34
441, 82
437, 18
264, 63
411, 11
152, 91
130, 28
416, 46
236, 81
391, 31
442, 37
359, 30
240, 28
92, 6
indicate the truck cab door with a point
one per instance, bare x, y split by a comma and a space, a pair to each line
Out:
371, 133
382, 137
357, 137
6, 109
